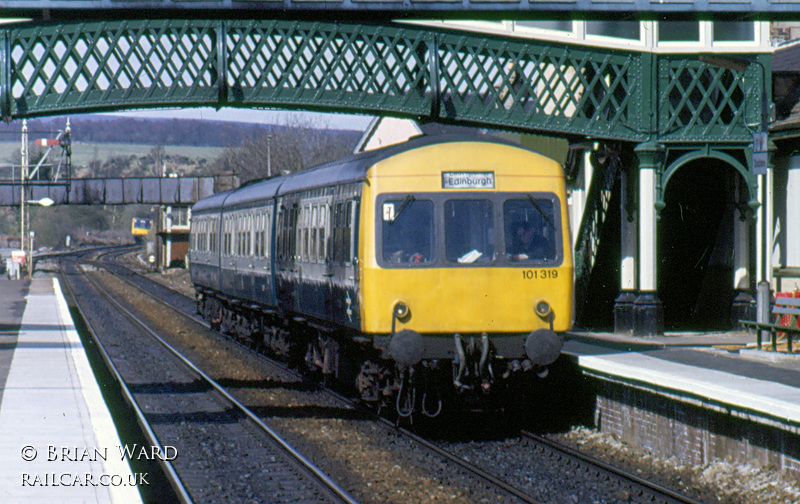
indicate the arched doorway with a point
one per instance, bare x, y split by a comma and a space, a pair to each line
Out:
696, 244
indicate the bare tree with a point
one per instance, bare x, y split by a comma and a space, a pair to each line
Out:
158, 155
293, 146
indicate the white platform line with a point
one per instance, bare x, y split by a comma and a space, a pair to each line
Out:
100, 418
52, 405
770, 398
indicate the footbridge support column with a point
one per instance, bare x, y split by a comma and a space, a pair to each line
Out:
648, 308
743, 306
624, 304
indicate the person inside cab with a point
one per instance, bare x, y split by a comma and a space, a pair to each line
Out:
527, 242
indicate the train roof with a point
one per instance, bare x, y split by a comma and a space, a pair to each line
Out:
254, 191
213, 202
350, 169
354, 168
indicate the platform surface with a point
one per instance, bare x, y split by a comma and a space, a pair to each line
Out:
698, 365
58, 443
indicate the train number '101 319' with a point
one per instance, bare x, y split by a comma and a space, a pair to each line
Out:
540, 274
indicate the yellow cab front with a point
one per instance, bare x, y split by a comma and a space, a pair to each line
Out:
441, 253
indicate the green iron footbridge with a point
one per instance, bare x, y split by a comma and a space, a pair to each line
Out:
402, 70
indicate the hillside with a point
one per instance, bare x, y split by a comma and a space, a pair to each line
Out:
96, 129
113, 146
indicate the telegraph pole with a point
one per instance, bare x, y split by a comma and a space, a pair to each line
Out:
23, 176
269, 156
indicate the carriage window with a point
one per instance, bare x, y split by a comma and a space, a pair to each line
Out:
260, 235
287, 222
248, 235
199, 237
302, 234
237, 240
323, 224
227, 248
469, 231
530, 228
407, 231
239, 236
213, 235
281, 234
312, 240
266, 234
291, 251
342, 232
347, 236
257, 236
251, 223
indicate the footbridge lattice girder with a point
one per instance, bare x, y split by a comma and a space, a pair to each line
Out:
403, 70
431, 8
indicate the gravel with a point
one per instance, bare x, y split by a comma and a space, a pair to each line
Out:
715, 482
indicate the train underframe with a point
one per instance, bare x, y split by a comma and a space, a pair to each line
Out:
470, 375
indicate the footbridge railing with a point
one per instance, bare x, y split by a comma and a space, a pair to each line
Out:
402, 70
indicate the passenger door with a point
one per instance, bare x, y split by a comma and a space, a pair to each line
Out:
342, 260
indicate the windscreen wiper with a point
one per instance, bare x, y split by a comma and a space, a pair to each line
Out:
539, 209
409, 198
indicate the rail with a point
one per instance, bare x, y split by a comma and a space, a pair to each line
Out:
633, 481
326, 482
171, 475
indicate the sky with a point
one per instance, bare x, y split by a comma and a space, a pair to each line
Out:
334, 121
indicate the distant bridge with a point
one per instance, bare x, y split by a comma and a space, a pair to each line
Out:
115, 191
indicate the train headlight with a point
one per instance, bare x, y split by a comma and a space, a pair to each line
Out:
542, 308
401, 310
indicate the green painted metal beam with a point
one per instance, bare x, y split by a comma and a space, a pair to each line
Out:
402, 70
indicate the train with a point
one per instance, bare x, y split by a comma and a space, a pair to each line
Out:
141, 225
423, 274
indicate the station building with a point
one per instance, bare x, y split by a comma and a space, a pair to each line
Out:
687, 228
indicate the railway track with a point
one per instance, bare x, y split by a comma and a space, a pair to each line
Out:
220, 451
555, 473
629, 484
600, 478
172, 300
